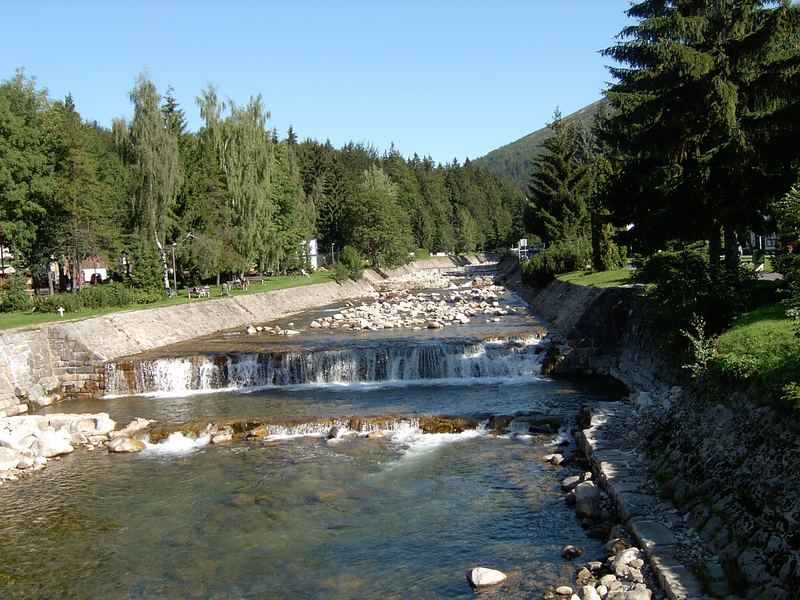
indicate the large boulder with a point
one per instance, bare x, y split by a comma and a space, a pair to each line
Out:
483, 577
587, 500
51, 443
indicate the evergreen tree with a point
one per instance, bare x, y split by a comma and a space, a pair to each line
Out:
83, 225
706, 93
559, 186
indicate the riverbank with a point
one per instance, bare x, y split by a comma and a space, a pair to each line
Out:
707, 483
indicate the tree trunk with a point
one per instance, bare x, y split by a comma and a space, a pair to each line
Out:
731, 250
164, 266
714, 248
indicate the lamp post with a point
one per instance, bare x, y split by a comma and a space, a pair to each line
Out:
174, 271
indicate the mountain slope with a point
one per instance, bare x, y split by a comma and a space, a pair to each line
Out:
513, 162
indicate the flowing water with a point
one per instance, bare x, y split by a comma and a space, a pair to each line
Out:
300, 515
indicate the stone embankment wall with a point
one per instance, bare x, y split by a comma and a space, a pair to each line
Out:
730, 465
67, 359
597, 331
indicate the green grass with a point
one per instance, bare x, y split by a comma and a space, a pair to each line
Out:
760, 349
31, 319
598, 279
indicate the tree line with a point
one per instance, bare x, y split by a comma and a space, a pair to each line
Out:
73, 190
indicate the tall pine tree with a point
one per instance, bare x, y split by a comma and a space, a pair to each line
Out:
702, 102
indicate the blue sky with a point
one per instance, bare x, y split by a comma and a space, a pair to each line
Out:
441, 78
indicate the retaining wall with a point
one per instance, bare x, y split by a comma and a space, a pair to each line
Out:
730, 464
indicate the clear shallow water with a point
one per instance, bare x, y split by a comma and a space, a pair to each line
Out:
399, 518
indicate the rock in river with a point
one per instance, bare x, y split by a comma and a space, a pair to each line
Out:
125, 444
482, 577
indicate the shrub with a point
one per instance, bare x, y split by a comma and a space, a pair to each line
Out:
685, 288
15, 297
352, 261
560, 257
340, 272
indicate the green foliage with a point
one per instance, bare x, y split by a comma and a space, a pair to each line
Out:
145, 269
380, 225
26, 180
704, 130
560, 257
340, 272
702, 348
559, 187
686, 288
761, 351
112, 295
15, 297
157, 166
352, 262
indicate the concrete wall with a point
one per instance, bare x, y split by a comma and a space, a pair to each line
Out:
66, 359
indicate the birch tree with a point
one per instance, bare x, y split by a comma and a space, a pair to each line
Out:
157, 167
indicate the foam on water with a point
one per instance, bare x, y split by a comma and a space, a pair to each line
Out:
177, 443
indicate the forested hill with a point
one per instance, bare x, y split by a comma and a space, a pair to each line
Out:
513, 162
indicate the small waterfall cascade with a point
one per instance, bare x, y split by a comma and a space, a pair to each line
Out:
402, 362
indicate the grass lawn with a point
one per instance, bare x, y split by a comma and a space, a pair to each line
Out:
761, 348
599, 279
31, 319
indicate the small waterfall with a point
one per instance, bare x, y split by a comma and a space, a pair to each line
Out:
402, 362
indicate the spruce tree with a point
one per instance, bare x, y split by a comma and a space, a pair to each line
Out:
705, 95
559, 187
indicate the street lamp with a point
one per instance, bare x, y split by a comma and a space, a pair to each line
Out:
174, 271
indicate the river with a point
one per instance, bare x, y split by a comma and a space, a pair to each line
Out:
314, 509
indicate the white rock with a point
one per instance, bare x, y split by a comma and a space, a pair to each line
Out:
125, 444
587, 499
53, 443
26, 462
590, 593
250, 330
482, 577
289, 332
564, 590
601, 590
315, 325
9, 459
553, 459
623, 559
222, 438
8, 441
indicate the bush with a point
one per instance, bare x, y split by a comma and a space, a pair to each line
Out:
340, 272
15, 297
112, 295
560, 257
686, 288
352, 261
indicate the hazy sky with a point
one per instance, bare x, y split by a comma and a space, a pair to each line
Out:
441, 78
